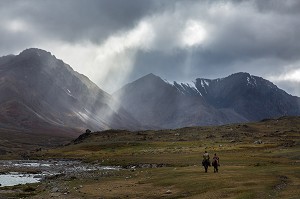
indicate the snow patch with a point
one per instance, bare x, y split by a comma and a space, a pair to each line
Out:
251, 81
69, 93
206, 82
188, 88
202, 84
167, 82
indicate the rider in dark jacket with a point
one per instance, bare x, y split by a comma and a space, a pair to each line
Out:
216, 163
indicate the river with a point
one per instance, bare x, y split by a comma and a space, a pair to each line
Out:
16, 172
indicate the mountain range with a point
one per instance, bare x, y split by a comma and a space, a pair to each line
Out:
240, 97
41, 94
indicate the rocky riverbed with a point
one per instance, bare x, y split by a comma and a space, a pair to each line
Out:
14, 172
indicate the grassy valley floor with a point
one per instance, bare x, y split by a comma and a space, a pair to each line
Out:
258, 160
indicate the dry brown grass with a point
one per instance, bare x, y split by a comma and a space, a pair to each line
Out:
248, 170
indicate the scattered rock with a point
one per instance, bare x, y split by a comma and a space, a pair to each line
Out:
52, 195
88, 131
54, 189
282, 184
50, 177
168, 191
258, 142
82, 137
38, 176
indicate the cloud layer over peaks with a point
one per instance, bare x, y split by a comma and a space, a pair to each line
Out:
115, 42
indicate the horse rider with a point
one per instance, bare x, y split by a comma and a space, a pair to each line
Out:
205, 158
216, 163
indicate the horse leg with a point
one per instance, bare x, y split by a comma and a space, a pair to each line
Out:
205, 168
216, 169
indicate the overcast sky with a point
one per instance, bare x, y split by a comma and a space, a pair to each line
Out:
114, 42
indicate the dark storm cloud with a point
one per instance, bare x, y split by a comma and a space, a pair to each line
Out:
283, 7
160, 37
74, 20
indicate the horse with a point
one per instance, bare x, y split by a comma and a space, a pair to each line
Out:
215, 164
206, 164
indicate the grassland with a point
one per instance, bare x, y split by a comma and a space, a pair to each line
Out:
258, 160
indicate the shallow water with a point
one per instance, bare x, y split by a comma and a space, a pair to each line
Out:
15, 179
44, 168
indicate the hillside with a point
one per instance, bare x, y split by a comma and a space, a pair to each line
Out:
45, 103
284, 131
40, 93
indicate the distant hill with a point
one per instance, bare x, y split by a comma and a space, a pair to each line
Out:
41, 94
237, 98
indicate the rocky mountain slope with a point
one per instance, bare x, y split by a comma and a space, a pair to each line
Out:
237, 98
155, 102
39, 93
253, 97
